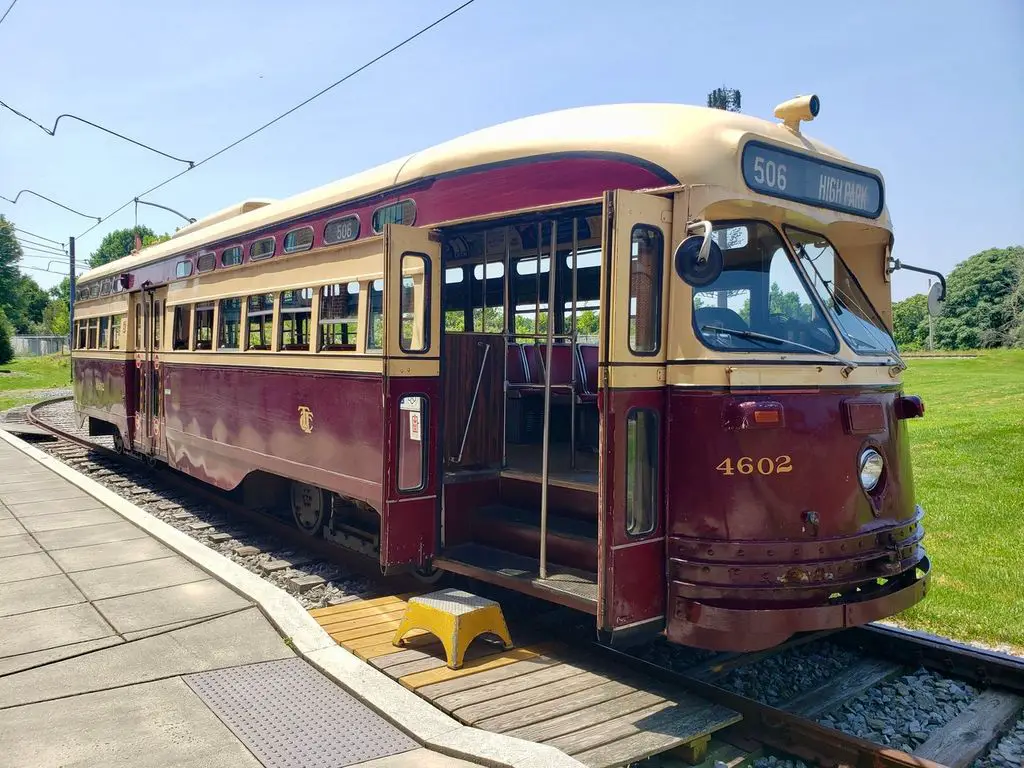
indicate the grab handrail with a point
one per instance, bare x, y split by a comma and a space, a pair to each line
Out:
472, 405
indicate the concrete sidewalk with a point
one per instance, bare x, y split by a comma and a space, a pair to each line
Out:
115, 650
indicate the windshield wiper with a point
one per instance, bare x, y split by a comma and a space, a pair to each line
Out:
755, 336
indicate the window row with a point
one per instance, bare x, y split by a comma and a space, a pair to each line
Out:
251, 322
106, 332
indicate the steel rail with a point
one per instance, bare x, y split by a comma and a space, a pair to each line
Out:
777, 728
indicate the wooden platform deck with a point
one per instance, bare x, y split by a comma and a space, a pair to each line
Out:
539, 691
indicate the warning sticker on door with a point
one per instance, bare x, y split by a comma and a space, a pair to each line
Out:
414, 425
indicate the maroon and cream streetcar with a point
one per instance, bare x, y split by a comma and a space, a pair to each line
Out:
632, 359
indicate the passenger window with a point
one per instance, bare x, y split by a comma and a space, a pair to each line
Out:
94, 327
82, 335
646, 254
157, 316
116, 322
206, 262
339, 316
260, 321
104, 333
415, 304
488, 297
375, 323
204, 326
138, 326
455, 299
298, 240
296, 317
231, 257
261, 249
182, 321
230, 323
183, 269
412, 445
642, 442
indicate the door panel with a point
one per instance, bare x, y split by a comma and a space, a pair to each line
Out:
149, 393
634, 279
412, 342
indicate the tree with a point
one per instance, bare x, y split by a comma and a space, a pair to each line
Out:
910, 322
6, 350
979, 310
118, 244
57, 317
10, 255
728, 99
62, 290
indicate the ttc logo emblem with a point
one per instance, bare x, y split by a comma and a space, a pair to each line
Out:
305, 419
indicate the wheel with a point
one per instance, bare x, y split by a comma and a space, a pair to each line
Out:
428, 575
308, 507
118, 442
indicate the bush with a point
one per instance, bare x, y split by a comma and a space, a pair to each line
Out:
6, 349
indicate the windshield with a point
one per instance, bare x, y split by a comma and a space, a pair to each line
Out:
841, 294
759, 290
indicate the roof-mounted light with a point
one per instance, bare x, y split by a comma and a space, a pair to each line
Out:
804, 108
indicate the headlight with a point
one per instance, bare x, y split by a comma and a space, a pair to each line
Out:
871, 465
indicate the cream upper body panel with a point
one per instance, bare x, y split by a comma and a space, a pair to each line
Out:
696, 145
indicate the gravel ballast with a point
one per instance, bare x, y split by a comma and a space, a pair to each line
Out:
904, 712
1007, 752
779, 678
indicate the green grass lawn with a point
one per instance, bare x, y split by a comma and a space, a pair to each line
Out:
24, 376
968, 454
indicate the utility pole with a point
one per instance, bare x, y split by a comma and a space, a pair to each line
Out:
71, 294
931, 323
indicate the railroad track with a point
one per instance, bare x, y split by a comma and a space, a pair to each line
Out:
876, 695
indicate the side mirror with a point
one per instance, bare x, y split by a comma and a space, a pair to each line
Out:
937, 293
936, 298
698, 260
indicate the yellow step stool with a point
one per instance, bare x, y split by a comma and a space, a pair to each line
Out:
456, 618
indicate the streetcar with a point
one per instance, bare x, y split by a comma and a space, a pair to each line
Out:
633, 359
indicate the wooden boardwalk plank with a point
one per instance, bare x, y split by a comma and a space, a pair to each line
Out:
846, 685
522, 682
369, 610
400, 657
471, 668
435, 690
356, 605
962, 740
344, 633
481, 708
575, 721
422, 642
576, 700
336, 622
645, 732
428, 662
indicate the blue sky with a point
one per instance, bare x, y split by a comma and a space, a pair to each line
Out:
931, 93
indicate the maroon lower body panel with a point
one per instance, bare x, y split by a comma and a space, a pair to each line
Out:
325, 429
104, 390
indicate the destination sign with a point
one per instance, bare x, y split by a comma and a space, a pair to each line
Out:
780, 173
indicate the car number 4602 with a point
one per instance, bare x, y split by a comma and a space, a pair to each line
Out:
747, 465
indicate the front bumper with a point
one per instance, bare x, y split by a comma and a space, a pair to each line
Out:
703, 625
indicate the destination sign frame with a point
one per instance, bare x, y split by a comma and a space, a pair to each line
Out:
778, 172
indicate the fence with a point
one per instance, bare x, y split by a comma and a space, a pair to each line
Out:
34, 346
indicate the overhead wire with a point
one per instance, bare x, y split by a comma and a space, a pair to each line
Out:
9, 7
284, 114
22, 239
49, 200
53, 131
39, 237
37, 249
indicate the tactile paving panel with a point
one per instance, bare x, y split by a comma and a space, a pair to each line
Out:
291, 716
